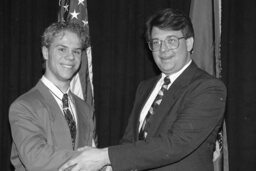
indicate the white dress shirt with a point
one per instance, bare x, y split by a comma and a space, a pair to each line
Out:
58, 95
157, 88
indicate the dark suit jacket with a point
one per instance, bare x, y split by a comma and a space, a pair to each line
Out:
41, 136
182, 132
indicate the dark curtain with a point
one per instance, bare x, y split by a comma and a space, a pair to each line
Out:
121, 60
21, 25
239, 73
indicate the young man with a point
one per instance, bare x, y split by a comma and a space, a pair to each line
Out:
49, 122
176, 116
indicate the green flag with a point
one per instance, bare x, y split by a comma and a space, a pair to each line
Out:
205, 16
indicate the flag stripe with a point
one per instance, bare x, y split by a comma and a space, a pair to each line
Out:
81, 84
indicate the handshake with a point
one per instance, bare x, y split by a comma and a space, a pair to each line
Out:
89, 159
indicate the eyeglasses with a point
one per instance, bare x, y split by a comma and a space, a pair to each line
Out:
171, 42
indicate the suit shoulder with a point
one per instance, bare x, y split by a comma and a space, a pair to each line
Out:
30, 96
204, 82
202, 75
28, 103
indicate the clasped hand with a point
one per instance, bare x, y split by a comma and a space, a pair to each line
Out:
89, 159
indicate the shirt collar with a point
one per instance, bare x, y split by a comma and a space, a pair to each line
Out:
174, 76
53, 88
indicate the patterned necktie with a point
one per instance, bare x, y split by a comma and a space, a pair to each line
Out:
69, 119
143, 133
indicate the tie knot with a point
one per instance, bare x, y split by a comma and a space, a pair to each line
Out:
65, 100
167, 80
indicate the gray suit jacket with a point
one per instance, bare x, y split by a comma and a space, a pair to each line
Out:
181, 133
41, 136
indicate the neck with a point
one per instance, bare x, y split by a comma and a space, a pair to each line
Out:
63, 86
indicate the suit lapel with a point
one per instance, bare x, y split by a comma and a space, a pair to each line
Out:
140, 103
84, 127
58, 123
169, 99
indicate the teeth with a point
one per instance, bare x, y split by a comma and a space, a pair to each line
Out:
67, 66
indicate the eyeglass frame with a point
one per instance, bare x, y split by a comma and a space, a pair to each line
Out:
161, 42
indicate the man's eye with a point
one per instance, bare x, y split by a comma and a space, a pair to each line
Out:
77, 52
171, 41
155, 42
62, 49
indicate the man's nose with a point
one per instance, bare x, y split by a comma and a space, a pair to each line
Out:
163, 46
69, 55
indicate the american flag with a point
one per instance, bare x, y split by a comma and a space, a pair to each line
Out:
81, 84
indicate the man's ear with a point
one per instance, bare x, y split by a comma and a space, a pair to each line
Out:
190, 43
45, 52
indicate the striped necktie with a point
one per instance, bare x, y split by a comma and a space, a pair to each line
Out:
69, 118
157, 101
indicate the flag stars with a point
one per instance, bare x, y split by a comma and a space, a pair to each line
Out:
74, 14
85, 22
81, 2
66, 7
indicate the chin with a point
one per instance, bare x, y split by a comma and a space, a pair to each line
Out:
167, 69
67, 77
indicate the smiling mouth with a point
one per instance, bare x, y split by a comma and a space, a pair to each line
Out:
166, 58
67, 66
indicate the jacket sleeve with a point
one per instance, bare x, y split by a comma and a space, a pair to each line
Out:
200, 112
30, 138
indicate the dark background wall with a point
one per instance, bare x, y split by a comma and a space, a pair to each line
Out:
239, 73
121, 60
21, 25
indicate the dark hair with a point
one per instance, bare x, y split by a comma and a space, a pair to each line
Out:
170, 19
54, 29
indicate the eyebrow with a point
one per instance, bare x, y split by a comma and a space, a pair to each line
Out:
166, 37
61, 45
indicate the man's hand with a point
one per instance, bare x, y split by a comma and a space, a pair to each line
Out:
90, 159
107, 168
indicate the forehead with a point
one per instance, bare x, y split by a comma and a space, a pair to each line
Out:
66, 36
158, 33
